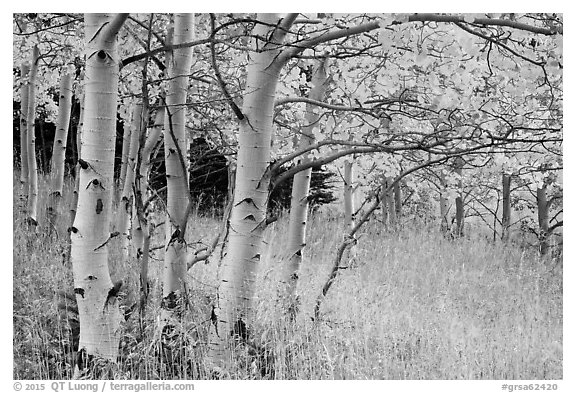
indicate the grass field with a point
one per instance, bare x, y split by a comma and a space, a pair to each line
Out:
414, 306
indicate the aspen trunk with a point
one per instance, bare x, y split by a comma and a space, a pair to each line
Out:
24, 90
390, 201
506, 180
96, 295
398, 199
459, 199
141, 233
74, 202
348, 194
384, 211
175, 149
349, 205
59, 148
126, 139
126, 199
30, 122
444, 224
234, 312
543, 219
300, 188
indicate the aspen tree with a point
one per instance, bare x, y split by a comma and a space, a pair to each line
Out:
234, 310
74, 201
126, 139
348, 194
349, 205
300, 189
398, 199
24, 90
142, 229
390, 202
506, 209
96, 295
59, 148
444, 223
30, 127
126, 199
459, 164
543, 219
175, 151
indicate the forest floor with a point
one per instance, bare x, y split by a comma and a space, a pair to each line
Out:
413, 305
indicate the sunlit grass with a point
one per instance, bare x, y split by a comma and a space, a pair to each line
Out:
414, 305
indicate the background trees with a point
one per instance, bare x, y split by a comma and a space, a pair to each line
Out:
450, 119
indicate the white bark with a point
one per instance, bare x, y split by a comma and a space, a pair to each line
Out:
444, 220
98, 312
126, 138
141, 232
390, 202
24, 90
59, 147
398, 199
349, 205
506, 182
126, 199
74, 202
459, 199
234, 310
300, 188
176, 175
30, 120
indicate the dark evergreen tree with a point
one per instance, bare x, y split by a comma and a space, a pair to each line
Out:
322, 183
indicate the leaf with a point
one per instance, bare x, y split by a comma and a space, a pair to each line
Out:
402, 18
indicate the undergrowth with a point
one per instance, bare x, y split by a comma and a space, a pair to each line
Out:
413, 305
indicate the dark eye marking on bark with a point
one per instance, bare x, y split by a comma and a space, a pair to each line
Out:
247, 200
91, 277
250, 217
83, 164
99, 206
79, 291
113, 292
96, 183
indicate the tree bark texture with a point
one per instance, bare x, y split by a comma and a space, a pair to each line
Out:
444, 222
74, 201
30, 127
543, 219
506, 209
349, 205
175, 150
59, 147
398, 199
234, 309
459, 199
141, 233
300, 189
126, 199
390, 201
124, 157
96, 295
24, 90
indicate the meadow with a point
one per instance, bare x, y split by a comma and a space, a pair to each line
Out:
413, 305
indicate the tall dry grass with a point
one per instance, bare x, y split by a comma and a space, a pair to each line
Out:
414, 306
